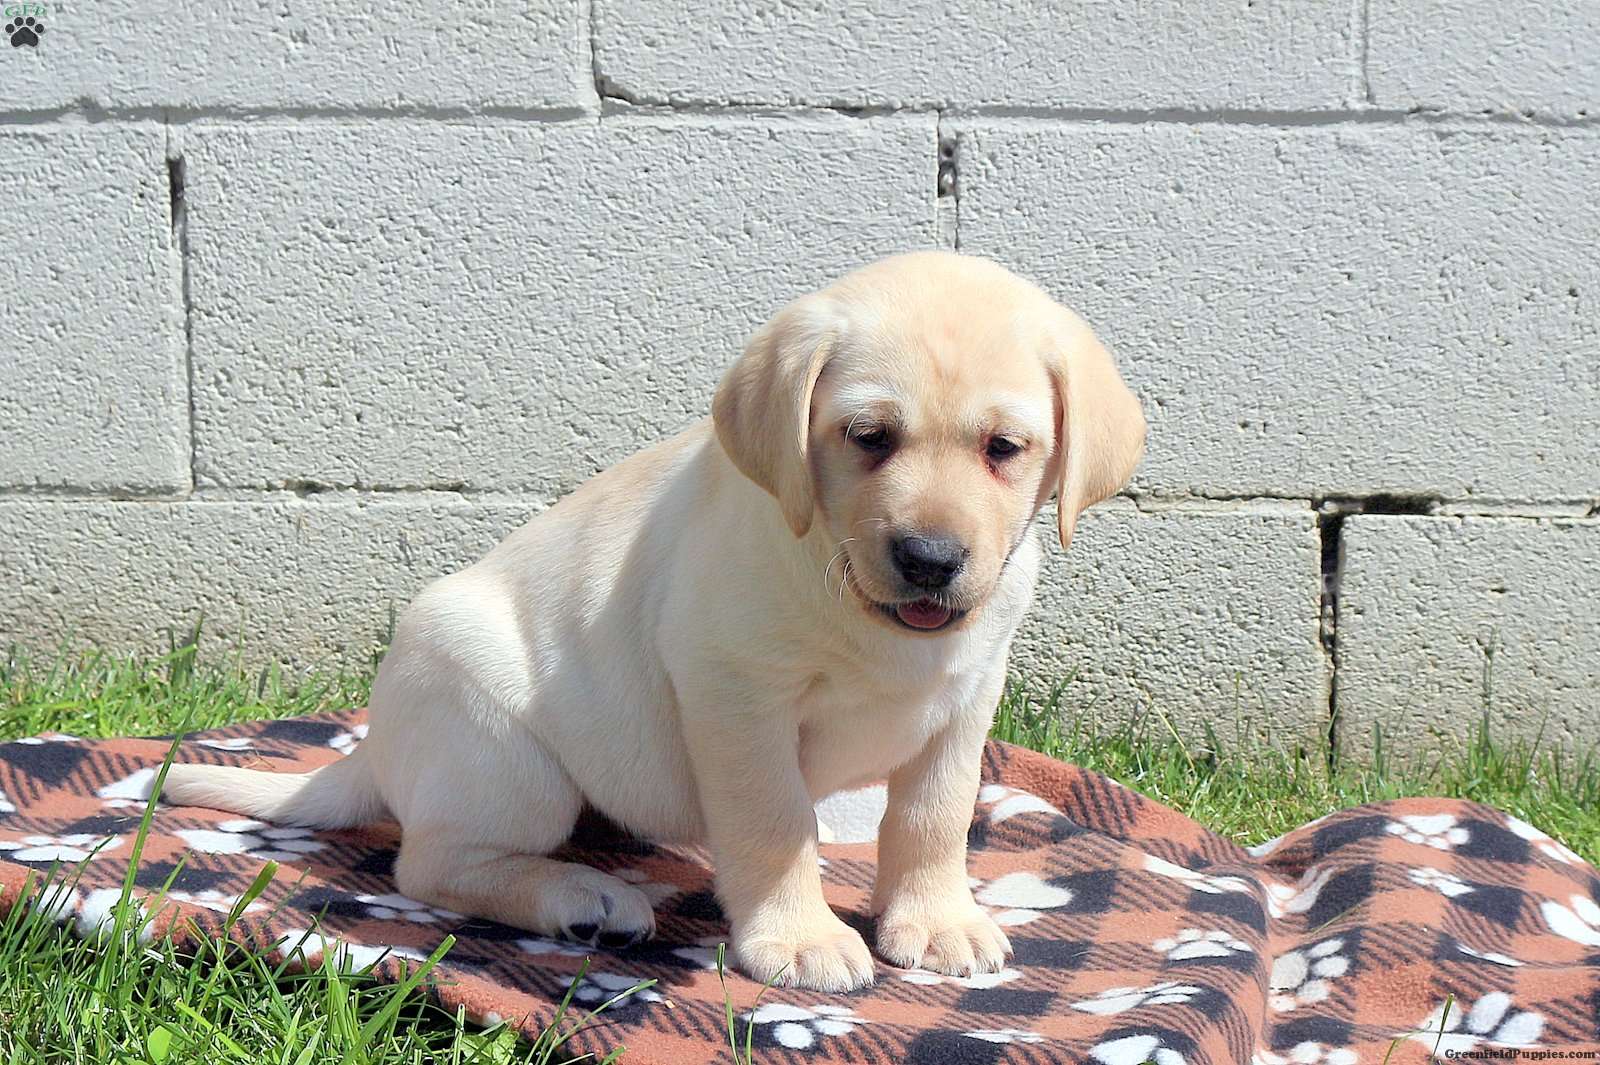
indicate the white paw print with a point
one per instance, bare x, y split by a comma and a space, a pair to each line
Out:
1005, 803
1542, 840
1210, 885
308, 945
1122, 999
1018, 898
1307, 1053
255, 838
704, 953
1135, 1050
1490, 956
1439, 831
1580, 922
1447, 884
74, 847
1300, 977
5, 805
798, 1028
232, 743
1196, 943
1004, 1035
600, 988
1285, 899
1490, 1021
212, 899
345, 742
396, 907
559, 947
131, 790
975, 982
48, 737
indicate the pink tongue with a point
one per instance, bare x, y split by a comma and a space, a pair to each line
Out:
923, 614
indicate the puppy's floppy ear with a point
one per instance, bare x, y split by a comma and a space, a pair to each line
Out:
1103, 427
762, 409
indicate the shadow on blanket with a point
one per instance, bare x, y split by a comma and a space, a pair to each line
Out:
1139, 935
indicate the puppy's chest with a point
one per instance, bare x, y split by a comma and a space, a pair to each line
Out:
854, 734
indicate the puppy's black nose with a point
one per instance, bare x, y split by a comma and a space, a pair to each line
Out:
928, 561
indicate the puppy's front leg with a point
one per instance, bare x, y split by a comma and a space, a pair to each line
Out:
763, 836
926, 914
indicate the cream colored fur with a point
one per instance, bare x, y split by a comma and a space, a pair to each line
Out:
702, 641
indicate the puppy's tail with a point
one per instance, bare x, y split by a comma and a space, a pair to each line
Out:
336, 796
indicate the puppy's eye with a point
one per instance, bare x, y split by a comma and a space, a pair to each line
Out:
1000, 448
873, 439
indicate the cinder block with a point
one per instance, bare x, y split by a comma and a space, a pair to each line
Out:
1201, 617
92, 383
1485, 56
310, 582
394, 54
1443, 619
1315, 311
1165, 54
510, 306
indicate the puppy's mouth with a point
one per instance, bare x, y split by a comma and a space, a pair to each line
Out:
921, 615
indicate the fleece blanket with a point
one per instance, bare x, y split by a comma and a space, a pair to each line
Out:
1387, 932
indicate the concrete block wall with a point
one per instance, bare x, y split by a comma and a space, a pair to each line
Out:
301, 312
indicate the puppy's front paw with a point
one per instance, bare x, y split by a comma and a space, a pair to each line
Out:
824, 954
951, 936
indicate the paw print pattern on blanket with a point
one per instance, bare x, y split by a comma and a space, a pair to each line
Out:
1439, 831
1122, 999
1491, 1021
254, 838
1121, 957
1193, 943
797, 1028
1300, 977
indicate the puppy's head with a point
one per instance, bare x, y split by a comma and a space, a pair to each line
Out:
920, 411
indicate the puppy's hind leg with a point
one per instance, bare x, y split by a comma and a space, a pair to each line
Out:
480, 850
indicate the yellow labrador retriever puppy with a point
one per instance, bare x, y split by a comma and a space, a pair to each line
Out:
813, 589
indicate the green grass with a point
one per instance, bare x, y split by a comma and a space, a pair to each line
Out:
63, 999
